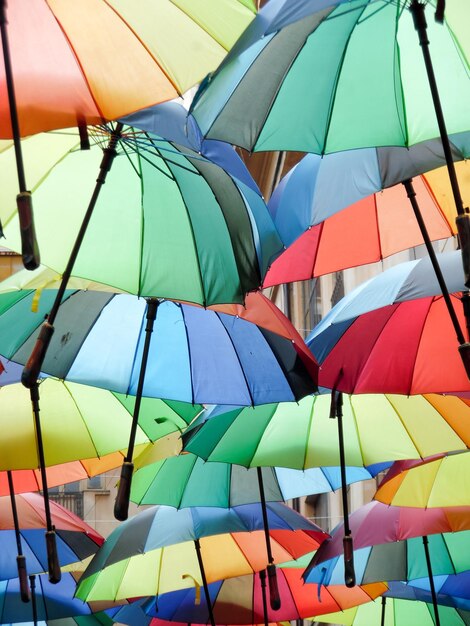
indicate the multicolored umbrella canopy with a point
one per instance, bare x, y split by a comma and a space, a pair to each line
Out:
169, 222
66, 72
80, 422
388, 544
76, 540
393, 334
456, 587
186, 480
239, 600
154, 552
372, 228
370, 86
377, 428
432, 483
196, 355
398, 612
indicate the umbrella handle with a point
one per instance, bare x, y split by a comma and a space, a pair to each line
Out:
274, 597
121, 504
348, 551
29, 244
53, 566
23, 577
31, 370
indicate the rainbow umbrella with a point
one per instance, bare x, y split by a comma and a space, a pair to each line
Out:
392, 334
433, 482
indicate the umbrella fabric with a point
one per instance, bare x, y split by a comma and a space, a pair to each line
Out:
399, 340
80, 422
186, 480
53, 601
388, 544
398, 612
66, 72
75, 539
169, 222
432, 483
196, 355
370, 86
239, 600
377, 428
410, 591
384, 222
456, 587
154, 552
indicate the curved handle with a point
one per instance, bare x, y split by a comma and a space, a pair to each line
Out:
53, 565
274, 596
121, 504
29, 244
348, 551
31, 370
23, 577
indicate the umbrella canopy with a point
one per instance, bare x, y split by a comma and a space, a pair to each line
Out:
370, 86
384, 222
432, 483
239, 600
169, 222
154, 552
75, 539
186, 480
80, 422
388, 544
456, 587
393, 334
196, 355
377, 428
66, 72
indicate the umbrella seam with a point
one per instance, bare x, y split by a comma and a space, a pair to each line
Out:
189, 352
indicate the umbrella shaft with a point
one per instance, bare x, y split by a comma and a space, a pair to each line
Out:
431, 580
32, 585
204, 581
34, 393
14, 511
265, 515
382, 615
262, 577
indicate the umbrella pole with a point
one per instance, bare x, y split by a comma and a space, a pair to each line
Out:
24, 203
36, 358
464, 347
463, 216
197, 545
121, 504
32, 584
53, 565
431, 580
262, 577
274, 597
20, 559
382, 614
336, 410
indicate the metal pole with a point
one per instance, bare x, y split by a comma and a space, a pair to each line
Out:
121, 505
32, 584
431, 580
262, 578
274, 597
34, 364
336, 410
20, 559
204, 582
51, 545
464, 346
382, 615
29, 245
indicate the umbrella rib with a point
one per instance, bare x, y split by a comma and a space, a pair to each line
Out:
72, 398
356, 428
188, 343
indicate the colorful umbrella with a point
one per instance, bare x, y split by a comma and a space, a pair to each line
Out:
370, 86
383, 222
240, 600
431, 483
169, 222
186, 480
393, 335
299, 435
163, 549
456, 587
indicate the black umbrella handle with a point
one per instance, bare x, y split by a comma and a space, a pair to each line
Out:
274, 596
23, 577
121, 504
348, 552
30, 373
53, 566
29, 244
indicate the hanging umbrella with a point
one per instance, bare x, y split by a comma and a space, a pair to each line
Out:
383, 222
239, 600
434, 482
85, 78
402, 339
455, 587
163, 549
186, 480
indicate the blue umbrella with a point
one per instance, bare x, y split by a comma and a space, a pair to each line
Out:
454, 585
